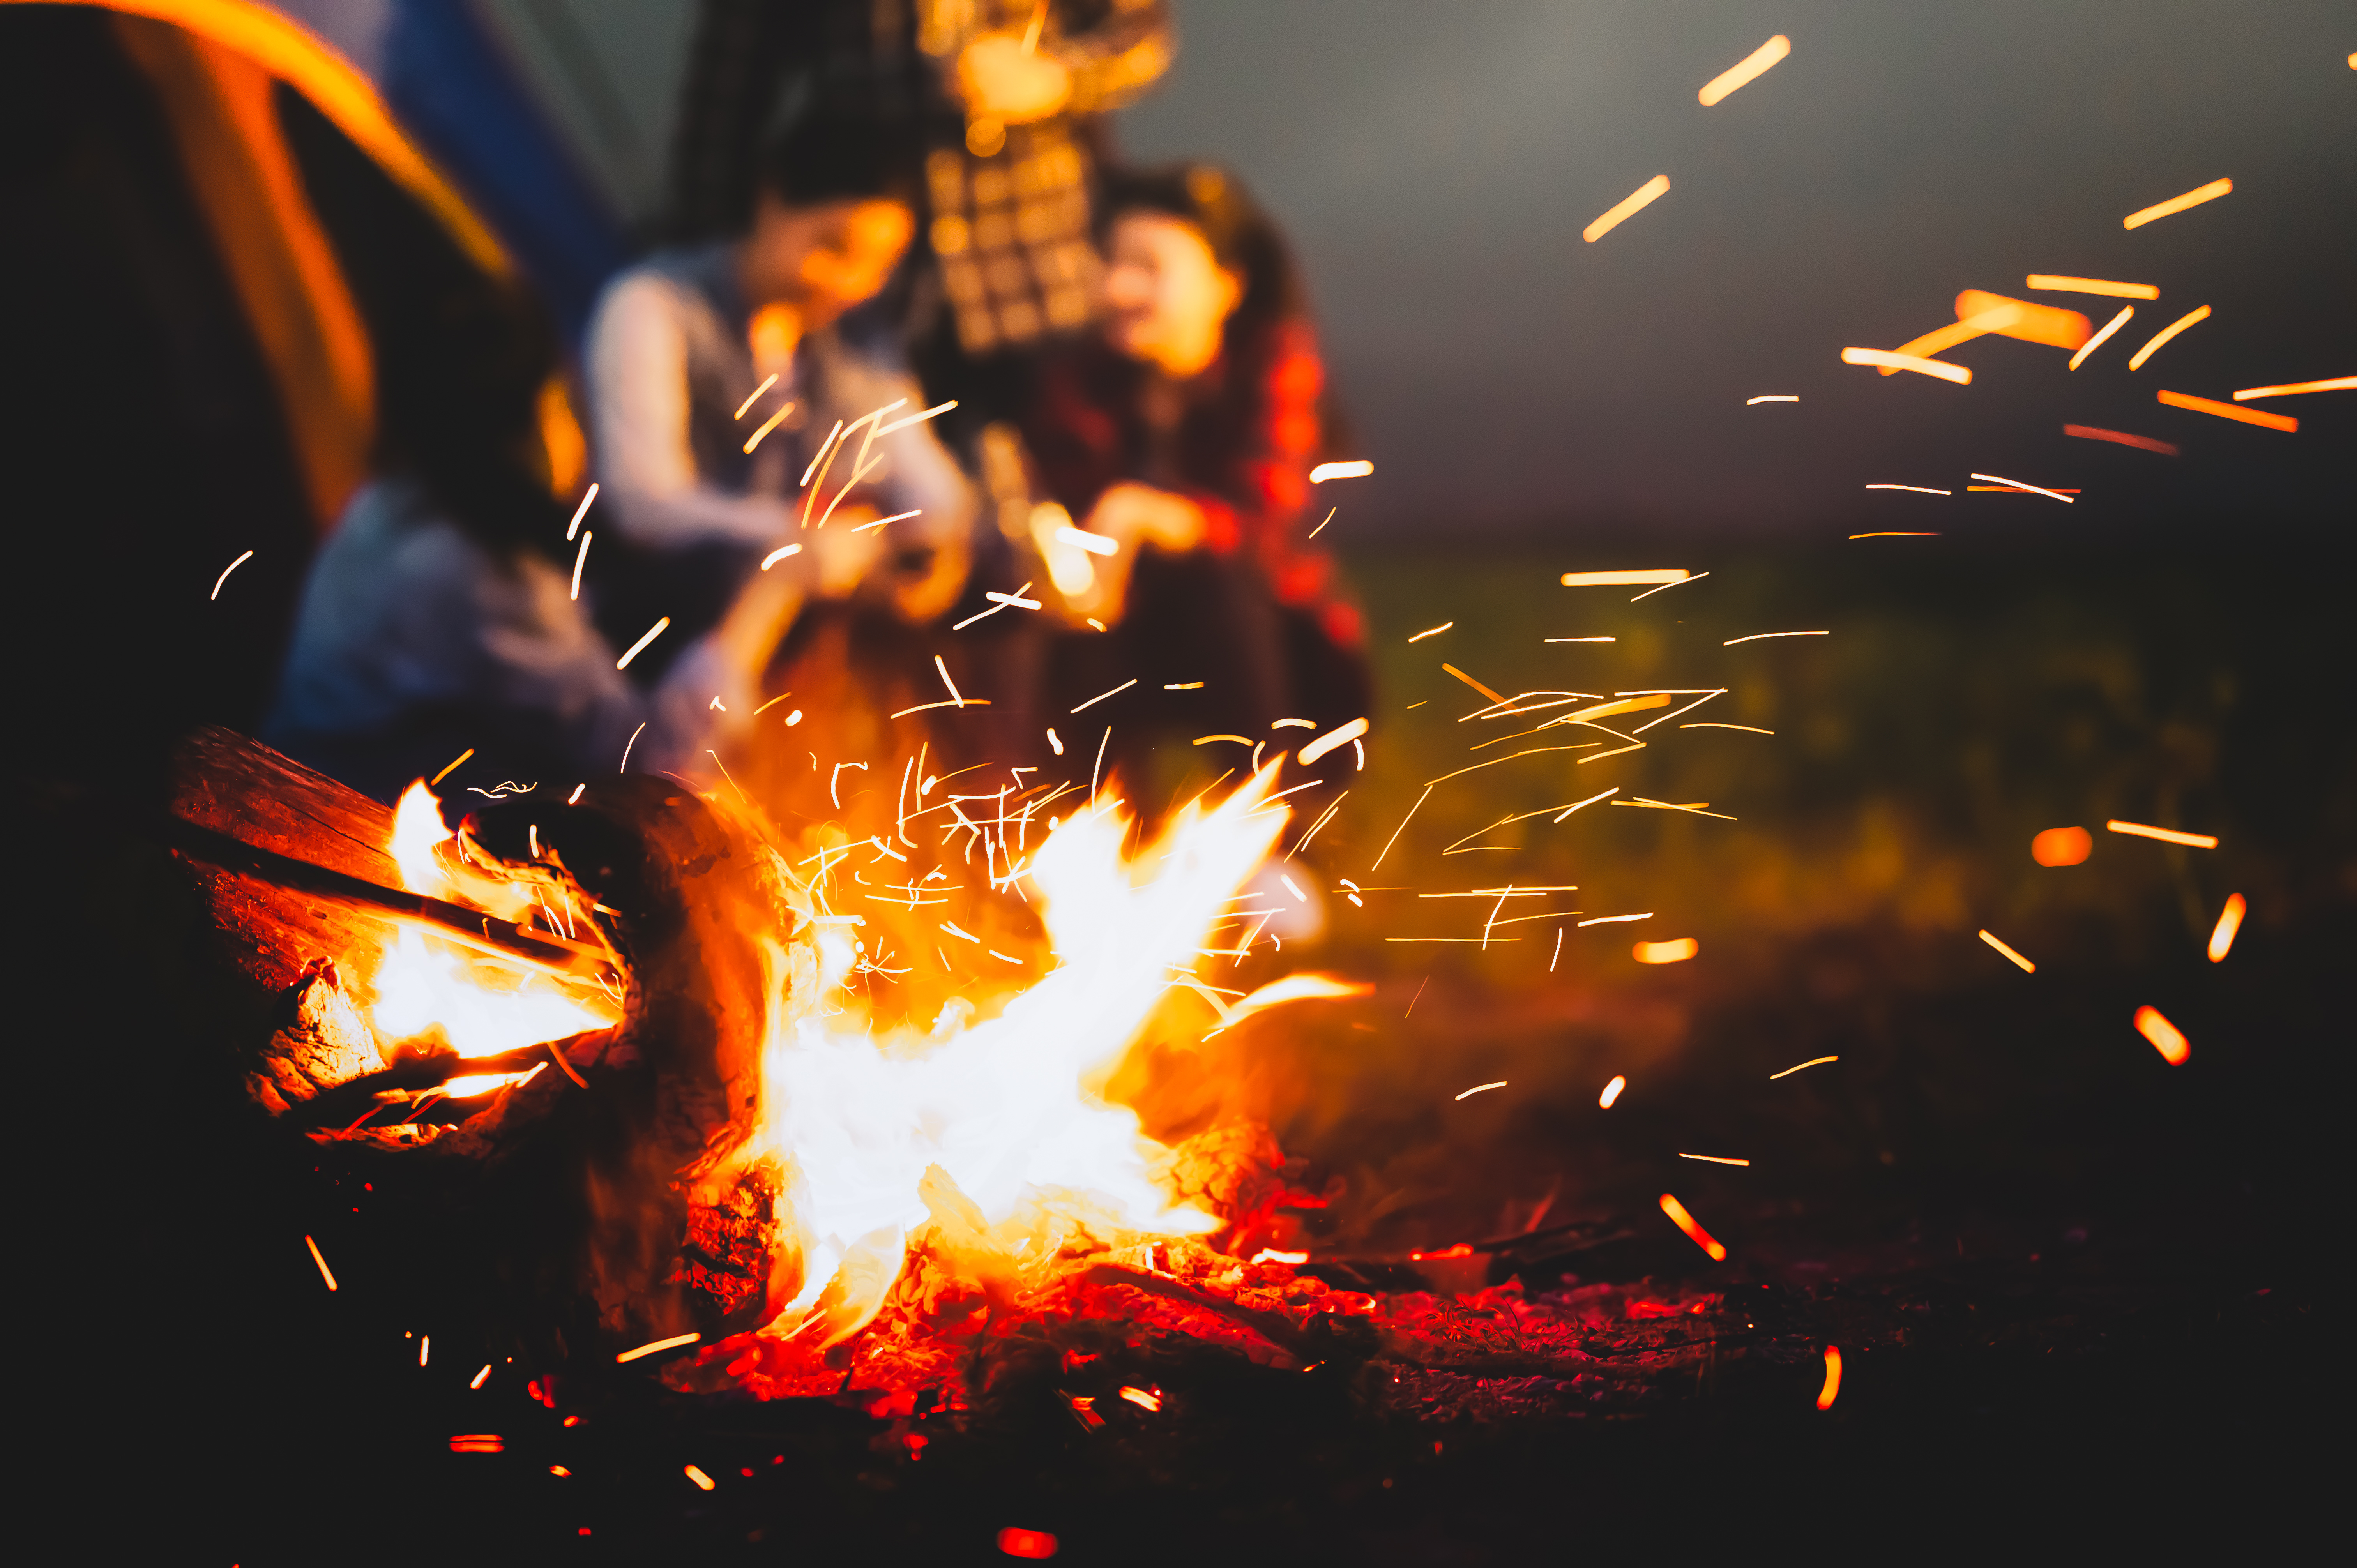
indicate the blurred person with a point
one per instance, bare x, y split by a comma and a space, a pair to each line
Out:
716, 378
1183, 435
1008, 99
439, 615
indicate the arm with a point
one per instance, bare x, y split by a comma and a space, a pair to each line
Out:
637, 370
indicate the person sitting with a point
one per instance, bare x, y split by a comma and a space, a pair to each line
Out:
442, 614
1183, 436
717, 386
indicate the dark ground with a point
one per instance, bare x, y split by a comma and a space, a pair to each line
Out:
2087, 1299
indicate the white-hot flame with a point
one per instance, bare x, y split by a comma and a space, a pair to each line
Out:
482, 1005
1003, 1108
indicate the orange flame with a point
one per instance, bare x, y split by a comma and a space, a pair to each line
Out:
990, 1137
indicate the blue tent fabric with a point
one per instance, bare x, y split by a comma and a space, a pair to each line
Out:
451, 88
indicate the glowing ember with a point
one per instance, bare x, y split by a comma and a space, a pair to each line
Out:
329, 1277
695, 1474
674, 1343
1144, 1399
476, 1443
1832, 1390
1035, 1544
1687, 1223
1678, 952
2061, 846
2166, 1037
1611, 1091
2222, 937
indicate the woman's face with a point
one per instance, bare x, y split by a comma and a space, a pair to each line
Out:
1167, 296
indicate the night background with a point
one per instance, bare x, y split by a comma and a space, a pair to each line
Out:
2090, 1295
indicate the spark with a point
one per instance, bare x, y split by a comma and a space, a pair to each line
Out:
2136, 360
1771, 397
2015, 490
581, 560
1056, 741
1472, 683
824, 447
2055, 284
1687, 1223
1665, 588
944, 668
2166, 1037
1182, 685
1354, 470
1098, 767
476, 1443
480, 1376
1324, 521
772, 702
425, 1346
1080, 539
1038, 1543
1615, 919
1918, 490
896, 517
2176, 204
2230, 411
1298, 895
1581, 640
226, 571
1239, 739
327, 1276
1748, 729
1143, 1399
1332, 740
1316, 827
766, 426
1832, 1390
907, 420
1444, 626
2230, 920
582, 510
1616, 751
1558, 950
449, 766
1101, 697
753, 396
639, 647
1271, 1255
1678, 952
1902, 533
2005, 316
2166, 835
2122, 439
774, 556
2092, 344
2026, 967
995, 953
672, 1343
1643, 197
792, 720
1420, 799
1418, 997
1478, 1087
1945, 371
2017, 484
1611, 1091
1756, 636
574, 799
1531, 751
2338, 383
633, 741
1715, 1159
1293, 723
1695, 809
1812, 1061
1662, 575
698, 1476
1749, 69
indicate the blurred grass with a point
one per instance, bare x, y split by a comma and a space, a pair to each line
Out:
1972, 691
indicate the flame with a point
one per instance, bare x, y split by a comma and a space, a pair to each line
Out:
993, 1134
481, 1006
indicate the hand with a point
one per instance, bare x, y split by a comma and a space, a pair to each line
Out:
1000, 80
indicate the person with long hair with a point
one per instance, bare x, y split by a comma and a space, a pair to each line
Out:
1182, 437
